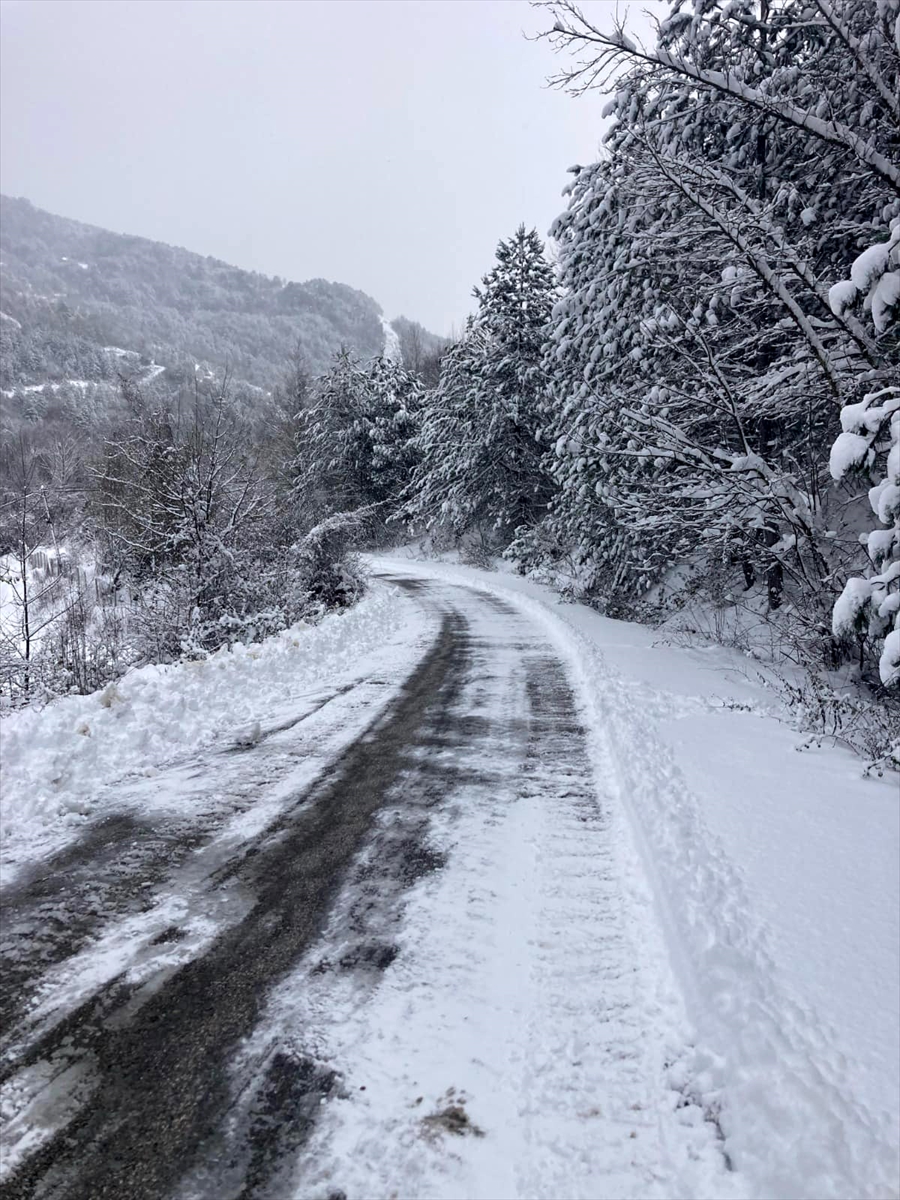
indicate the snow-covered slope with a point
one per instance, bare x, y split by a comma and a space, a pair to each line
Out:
140, 294
392, 351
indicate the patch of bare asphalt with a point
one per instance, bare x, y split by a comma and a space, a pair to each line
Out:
60, 904
110, 871
160, 1088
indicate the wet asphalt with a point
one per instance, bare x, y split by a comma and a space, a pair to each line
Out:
156, 1073
146, 1069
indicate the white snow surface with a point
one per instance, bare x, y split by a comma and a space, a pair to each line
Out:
775, 885
885, 298
59, 761
889, 667
392, 351
849, 607
868, 267
850, 452
841, 296
699, 972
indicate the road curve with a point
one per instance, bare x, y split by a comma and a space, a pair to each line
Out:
136, 1083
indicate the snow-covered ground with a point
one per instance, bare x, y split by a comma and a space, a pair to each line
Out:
60, 763
776, 881
528, 1039
661, 957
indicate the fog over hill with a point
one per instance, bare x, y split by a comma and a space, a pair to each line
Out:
81, 304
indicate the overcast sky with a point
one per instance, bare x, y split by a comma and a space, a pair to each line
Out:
387, 144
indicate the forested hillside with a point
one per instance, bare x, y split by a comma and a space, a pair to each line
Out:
154, 408
77, 298
696, 409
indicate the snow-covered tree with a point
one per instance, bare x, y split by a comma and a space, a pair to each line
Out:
481, 461
34, 593
869, 447
355, 436
178, 498
699, 362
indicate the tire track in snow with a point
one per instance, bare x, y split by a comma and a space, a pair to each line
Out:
151, 1069
370, 1016
790, 1103
522, 1008
58, 907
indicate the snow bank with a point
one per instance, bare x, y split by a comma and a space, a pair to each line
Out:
777, 884
57, 759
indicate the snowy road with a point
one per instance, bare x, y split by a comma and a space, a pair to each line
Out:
197, 1062
399, 942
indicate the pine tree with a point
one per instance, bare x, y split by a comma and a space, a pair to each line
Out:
355, 437
868, 608
699, 367
481, 461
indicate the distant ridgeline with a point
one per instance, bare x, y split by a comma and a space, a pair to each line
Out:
82, 306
